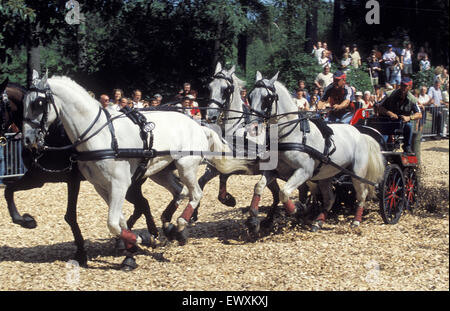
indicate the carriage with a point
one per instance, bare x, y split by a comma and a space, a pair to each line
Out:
398, 191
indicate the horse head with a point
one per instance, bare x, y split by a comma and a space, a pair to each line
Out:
221, 90
37, 115
262, 100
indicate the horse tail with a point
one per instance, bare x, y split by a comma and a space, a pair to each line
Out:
224, 164
376, 163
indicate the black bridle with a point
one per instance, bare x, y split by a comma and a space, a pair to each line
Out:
268, 101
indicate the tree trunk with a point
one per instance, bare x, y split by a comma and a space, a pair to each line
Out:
311, 28
33, 54
337, 21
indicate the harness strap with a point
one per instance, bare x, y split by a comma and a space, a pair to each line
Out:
114, 143
322, 158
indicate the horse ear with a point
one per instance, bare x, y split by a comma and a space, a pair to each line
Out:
35, 76
274, 78
43, 82
232, 70
218, 68
4, 84
258, 76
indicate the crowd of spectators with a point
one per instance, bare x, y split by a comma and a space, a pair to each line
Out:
385, 69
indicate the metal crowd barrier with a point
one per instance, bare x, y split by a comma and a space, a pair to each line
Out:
11, 164
435, 121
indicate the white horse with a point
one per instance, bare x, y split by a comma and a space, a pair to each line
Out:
88, 126
359, 153
227, 109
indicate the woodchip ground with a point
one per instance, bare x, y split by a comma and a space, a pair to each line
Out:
411, 255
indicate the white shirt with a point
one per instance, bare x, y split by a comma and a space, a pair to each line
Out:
318, 53
138, 105
423, 99
389, 57
324, 80
300, 103
407, 60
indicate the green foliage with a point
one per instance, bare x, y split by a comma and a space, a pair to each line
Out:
421, 78
360, 79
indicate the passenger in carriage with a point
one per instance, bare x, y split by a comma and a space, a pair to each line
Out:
338, 96
401, 104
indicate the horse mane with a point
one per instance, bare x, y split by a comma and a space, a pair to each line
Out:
238, 81
75, 86
17, 86
282, 91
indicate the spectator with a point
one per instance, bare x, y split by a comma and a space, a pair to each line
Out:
194, 112
158, 98
316, 92
445, 96
356, 58
324, 78
301, 102
377, 53
317, 50
389, 59
359, 102
154, 102
421, 55
313, 103
324, 60
423, 100
428, 50
396, 73
345, 62
425, 64
368, 100
187, 90
301, 86
123, 102
104, 100
443, 77
379, 93
244, 97
328, 52
137, 99
117, 95
435, 94
374, 69
406, 60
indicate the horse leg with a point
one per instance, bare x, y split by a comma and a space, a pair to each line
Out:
210, 173
224, 197
275, 189
253, 221
141, 206
362, 192
168, 180
187, 168
73, 189
28, 181
298, 178
328, 198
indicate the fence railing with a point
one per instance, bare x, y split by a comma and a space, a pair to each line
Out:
435, 121
11, 164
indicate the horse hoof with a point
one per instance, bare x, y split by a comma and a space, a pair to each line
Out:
81, 258
26, 221
316, 226
229, 200
129, 264
148, 239
170, 232
355, 224
182, 237
253, 226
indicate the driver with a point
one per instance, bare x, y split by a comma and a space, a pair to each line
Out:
401, 104
339, 97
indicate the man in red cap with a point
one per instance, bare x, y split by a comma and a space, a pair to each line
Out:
401, 104
339, 96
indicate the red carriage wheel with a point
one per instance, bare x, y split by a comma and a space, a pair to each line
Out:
392, 194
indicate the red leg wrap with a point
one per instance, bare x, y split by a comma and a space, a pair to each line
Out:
290, 207
187, 213
222, 190
129, 238
322, 216
358, 214
254, 206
